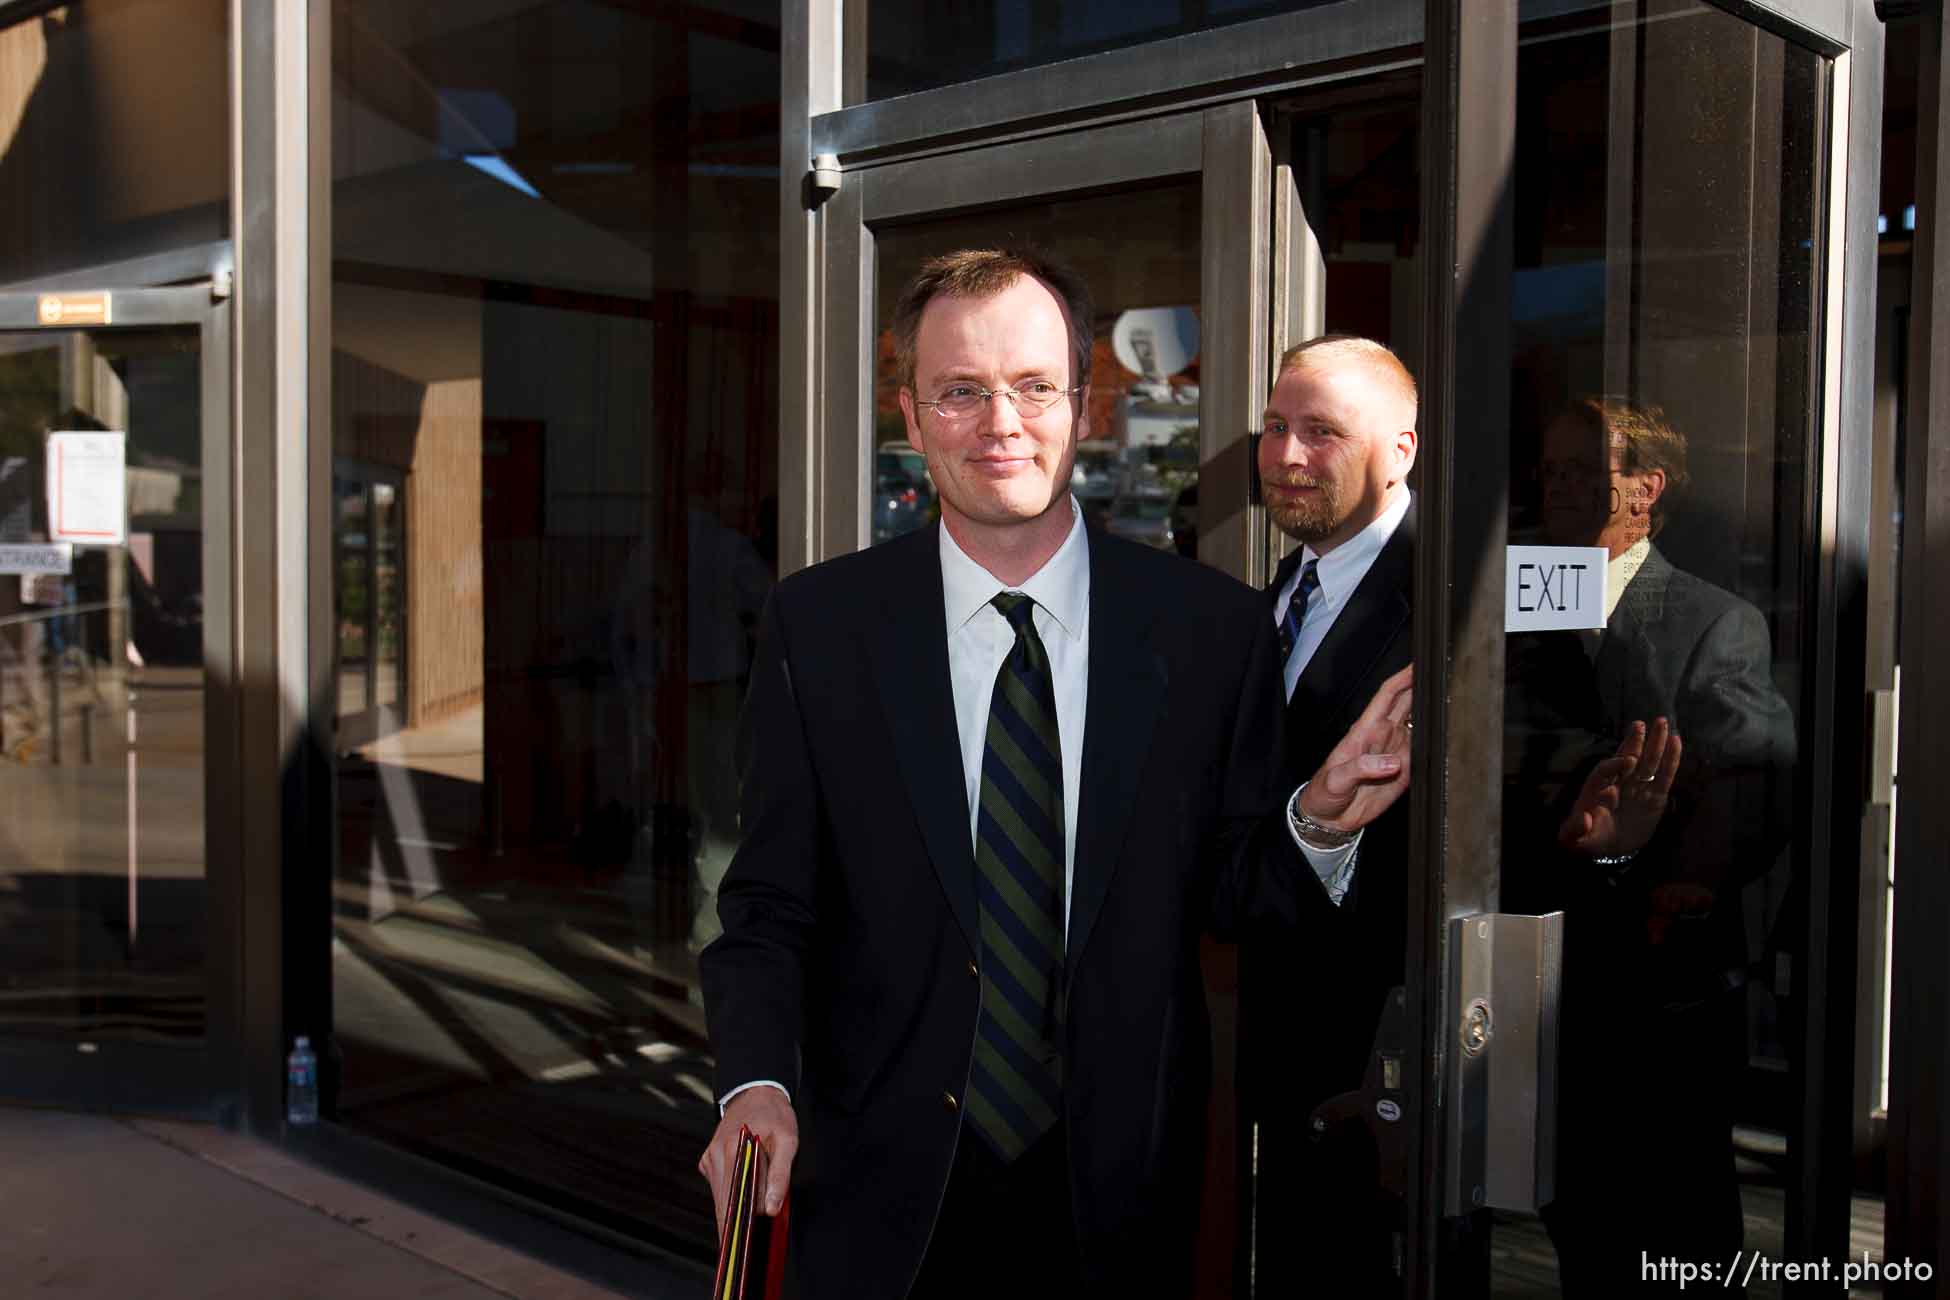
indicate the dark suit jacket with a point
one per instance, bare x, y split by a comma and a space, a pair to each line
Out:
1676, 646
1351, 962
846, 967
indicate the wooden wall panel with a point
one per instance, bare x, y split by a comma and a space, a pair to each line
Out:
443, 544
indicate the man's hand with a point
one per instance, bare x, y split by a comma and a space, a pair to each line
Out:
1368, 770
1625, 796
766, 1112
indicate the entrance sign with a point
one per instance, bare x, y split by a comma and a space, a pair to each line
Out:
87, 488
1554, 588
37, 557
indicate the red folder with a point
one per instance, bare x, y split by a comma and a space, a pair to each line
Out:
743, 1225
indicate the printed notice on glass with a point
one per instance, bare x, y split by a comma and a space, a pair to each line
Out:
1554, 588
87, 488
36, 557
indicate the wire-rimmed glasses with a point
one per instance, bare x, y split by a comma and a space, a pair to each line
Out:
959, 401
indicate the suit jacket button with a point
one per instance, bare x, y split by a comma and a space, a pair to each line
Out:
949, 1103
974, 970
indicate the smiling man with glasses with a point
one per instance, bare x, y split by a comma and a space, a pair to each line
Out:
999, 776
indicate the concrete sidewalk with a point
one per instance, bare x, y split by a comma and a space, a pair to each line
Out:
136, 1209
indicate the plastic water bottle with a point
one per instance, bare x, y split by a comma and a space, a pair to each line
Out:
301, 1084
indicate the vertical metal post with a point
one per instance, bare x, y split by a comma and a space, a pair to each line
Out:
1236, 316
311, 836
1919, 1058
1841, 494
1468, 141
271, 120
810, 72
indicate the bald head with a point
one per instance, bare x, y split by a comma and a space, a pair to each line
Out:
1338, 439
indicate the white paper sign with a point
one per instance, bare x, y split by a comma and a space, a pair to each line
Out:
36, 557
1554, 588
87, 488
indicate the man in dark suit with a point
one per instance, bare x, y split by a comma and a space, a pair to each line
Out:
1649, 864
999, 775
1337, 444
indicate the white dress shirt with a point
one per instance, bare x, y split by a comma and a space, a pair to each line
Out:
1620, 569
980, 639
1339, 573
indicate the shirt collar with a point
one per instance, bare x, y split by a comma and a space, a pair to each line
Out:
1061, 586
1340, 570
1620, 570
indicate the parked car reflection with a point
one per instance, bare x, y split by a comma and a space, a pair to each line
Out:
903, 495
1143, 517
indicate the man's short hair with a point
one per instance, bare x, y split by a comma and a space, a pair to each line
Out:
1379, 358
1643, 438
983, 273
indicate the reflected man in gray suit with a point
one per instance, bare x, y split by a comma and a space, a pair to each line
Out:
1648, 769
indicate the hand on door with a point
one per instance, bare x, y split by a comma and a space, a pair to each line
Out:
1624, 797
1368, 770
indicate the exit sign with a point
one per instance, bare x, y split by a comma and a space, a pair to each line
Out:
1554, 588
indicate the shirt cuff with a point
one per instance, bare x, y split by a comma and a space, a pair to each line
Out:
1335, 867
746, 1087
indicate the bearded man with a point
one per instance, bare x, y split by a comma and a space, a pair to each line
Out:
1336, 448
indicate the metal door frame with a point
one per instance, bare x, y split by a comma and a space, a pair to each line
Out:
138, 1076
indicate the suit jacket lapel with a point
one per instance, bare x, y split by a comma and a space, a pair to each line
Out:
1127, 691
909, 649
1322, 701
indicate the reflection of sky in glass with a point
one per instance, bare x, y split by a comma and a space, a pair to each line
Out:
499, 169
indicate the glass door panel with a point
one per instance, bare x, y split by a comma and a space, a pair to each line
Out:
102, 704
1664, 338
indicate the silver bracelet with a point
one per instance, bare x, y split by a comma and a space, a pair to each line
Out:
1318, 834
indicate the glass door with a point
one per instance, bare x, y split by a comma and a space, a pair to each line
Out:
112, 492
1606, 253
1637, 366
1663, 401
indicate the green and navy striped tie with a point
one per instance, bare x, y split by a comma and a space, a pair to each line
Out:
1016, 1092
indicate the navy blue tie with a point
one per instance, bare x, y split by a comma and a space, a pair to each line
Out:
1296, 610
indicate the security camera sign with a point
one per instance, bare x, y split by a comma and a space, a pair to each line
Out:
87, 488
1554, 588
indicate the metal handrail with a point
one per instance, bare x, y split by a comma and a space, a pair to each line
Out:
90, 607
